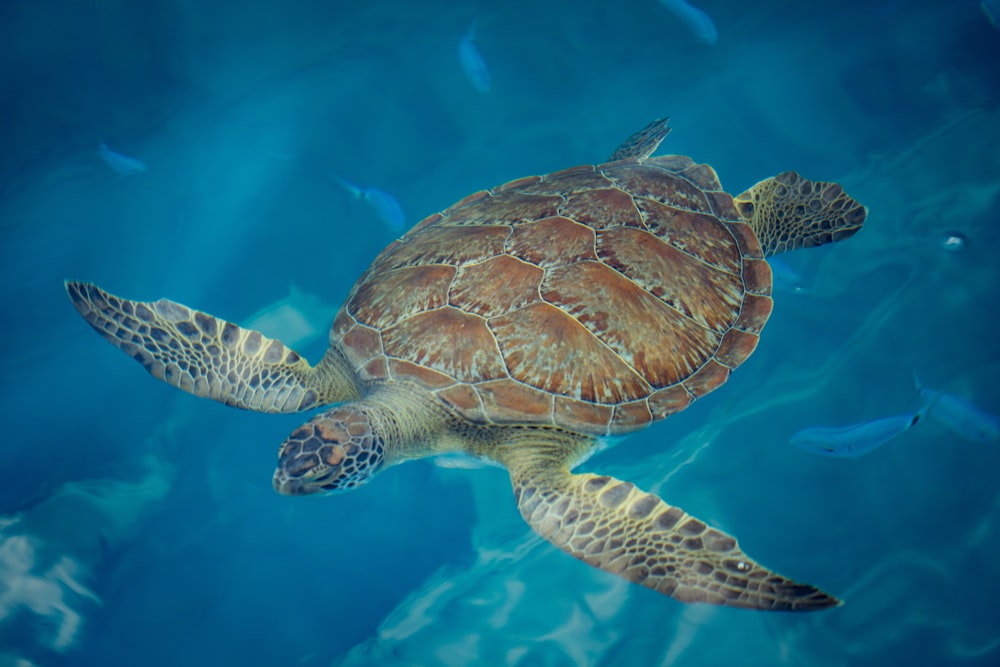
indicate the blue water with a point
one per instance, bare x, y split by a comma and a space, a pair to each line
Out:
138, 525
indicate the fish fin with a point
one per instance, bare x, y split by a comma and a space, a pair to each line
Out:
470, 34
929, 396
355, 191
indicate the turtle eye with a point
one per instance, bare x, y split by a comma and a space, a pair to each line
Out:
297, 464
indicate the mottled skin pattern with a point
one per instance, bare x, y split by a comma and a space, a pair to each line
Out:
621, 529
521, 325
210, 357
336, 452
798, 213
643, 143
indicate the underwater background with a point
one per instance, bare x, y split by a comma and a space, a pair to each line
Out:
245, 157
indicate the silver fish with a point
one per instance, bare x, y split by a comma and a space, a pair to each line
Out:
385, 205
122, 165
958, 414
856, 439
472, 62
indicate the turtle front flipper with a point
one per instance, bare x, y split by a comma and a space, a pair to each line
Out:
788, 211
623, 530
213, 358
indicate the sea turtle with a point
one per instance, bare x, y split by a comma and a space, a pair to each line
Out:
526, 325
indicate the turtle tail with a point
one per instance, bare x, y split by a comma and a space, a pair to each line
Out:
213, 358
788, 211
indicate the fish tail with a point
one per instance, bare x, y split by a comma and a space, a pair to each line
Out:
930, 397
355, 190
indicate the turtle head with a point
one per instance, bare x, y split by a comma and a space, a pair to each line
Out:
335, 451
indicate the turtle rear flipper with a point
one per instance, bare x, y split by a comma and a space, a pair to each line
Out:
621, 529
213, 358
788, 211
643, 143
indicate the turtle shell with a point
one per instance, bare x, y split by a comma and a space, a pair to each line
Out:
597, 299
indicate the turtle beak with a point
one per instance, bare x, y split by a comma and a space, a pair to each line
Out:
292, 486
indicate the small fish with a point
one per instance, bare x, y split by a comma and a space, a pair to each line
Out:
695, 20
856, 439
959, 415
472, 62
122, 165
385, 205
954, 242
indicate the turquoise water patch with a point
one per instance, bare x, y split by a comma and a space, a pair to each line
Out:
138, 524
